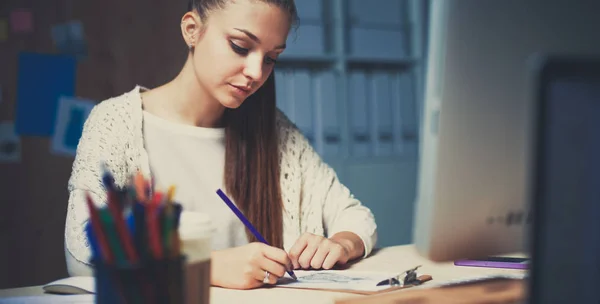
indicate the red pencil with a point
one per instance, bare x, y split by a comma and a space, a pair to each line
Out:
96, 225
152, 222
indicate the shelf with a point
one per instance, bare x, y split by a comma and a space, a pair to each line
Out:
319, 59
350, 61
380, 63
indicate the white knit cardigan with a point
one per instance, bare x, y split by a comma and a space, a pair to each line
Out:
314, 200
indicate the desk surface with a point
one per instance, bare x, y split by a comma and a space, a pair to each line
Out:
398, 257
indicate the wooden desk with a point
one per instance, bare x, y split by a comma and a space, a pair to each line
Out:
391, 258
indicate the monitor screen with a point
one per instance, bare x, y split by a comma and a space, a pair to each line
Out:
476, 139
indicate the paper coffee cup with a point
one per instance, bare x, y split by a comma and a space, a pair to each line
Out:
195, 231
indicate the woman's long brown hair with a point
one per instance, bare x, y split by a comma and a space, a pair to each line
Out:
251, 146
252, 163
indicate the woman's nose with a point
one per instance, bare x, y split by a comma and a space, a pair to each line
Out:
253, 69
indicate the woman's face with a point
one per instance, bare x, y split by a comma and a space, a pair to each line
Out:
236, 50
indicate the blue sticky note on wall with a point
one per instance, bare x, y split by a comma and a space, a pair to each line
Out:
42, 79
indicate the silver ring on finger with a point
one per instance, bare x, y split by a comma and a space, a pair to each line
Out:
266, 279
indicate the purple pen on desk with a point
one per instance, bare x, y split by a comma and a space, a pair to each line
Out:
247, 223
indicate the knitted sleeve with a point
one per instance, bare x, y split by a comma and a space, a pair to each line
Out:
321, 189
99, 143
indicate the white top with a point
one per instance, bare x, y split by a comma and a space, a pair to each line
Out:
314, 200
193, 159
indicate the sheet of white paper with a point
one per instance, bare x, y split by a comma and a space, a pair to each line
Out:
70, 117
10, 143
337, 279
48, 299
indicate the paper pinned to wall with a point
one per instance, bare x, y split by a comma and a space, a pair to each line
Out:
70, 117
21, 21
10, 143
3, 29
42, 79
69, 38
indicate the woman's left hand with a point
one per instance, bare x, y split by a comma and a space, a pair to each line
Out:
316, 252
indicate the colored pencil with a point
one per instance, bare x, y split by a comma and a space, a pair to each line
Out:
98, 231
247, 223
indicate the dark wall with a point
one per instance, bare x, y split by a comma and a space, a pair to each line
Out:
129, 42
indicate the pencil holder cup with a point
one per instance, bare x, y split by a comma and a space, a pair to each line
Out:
153, 281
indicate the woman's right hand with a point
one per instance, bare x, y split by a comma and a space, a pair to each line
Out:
245, 267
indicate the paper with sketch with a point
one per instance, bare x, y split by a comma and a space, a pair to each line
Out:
337, 279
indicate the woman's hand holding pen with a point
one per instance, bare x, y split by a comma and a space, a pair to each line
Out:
246, 267
317, 252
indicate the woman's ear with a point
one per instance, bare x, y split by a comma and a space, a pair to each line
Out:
191, 28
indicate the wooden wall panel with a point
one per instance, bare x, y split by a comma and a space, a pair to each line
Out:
129, 42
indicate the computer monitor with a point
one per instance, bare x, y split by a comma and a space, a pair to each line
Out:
475, 180
565, 266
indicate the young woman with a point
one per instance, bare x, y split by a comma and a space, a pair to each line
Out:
216, 126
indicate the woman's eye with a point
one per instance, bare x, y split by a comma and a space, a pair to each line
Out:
243, 51
238, 49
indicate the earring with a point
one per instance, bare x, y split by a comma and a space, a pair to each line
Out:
192, 42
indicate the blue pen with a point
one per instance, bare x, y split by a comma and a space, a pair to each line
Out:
247, 223
89, 231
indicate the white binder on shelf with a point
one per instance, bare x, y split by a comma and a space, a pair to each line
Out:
303, 102
328, 121
360, 135
381, 101
408, 111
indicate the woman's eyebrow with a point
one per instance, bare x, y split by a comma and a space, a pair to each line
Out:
255, 39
